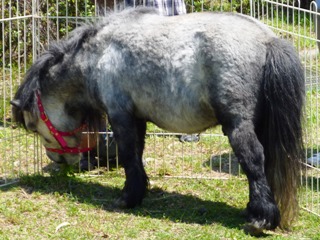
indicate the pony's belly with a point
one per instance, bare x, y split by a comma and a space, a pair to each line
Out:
186, 129
180, 124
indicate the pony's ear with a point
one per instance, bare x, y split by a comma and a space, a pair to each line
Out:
16, 103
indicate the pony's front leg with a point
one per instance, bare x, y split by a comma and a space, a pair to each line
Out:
262, 211
129, 133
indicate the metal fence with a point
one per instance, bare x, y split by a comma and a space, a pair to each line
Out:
28, 26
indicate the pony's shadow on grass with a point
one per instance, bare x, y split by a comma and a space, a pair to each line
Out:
158, 204
190, 209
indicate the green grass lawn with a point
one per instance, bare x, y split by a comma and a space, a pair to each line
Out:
81, 207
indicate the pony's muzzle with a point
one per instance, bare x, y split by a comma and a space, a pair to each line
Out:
69, 159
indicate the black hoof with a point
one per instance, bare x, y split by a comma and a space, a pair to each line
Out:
261, 216
253, 229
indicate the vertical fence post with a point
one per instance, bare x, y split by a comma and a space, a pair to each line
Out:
33, 37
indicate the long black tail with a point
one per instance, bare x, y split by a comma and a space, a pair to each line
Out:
281, 134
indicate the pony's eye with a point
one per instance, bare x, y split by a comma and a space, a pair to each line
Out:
47, 140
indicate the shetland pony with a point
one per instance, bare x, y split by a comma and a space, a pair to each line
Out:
185, 74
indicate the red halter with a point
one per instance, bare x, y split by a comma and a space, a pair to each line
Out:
58, 135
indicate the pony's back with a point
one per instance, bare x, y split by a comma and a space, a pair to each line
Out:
198, 50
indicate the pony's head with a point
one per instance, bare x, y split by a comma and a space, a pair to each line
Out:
54, 102
61, 146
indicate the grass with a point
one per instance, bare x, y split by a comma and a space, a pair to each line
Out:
20, 153
80, 207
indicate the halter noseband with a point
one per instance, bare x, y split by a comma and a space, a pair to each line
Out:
58, 135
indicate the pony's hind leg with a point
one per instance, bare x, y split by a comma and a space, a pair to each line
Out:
129, 133
262, 211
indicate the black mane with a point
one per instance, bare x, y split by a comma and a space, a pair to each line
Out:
34, 77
